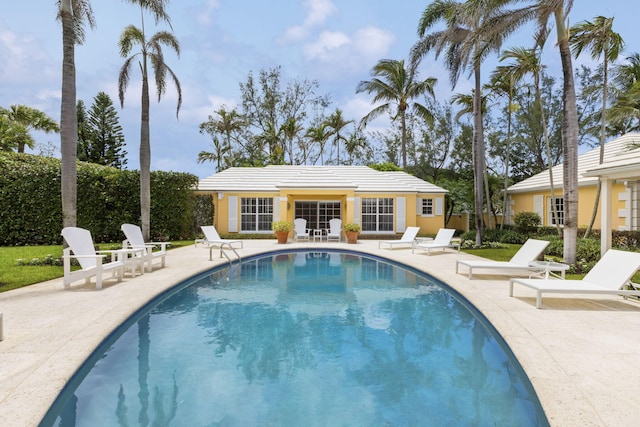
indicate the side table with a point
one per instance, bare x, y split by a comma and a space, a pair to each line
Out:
546, 268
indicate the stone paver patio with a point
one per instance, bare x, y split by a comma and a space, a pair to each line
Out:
579, 353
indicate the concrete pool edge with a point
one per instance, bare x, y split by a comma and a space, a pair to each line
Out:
49, 332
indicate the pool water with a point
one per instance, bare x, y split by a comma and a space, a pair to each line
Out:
303, 338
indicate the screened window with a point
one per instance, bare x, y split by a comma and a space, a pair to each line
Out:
377, 214
559, 204
256, 213
427, 206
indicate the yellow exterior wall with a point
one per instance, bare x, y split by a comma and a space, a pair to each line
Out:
524, 202
288, 197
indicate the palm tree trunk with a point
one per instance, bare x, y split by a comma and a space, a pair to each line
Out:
547, 144
403, 121
506, 164
68, 118
603, 129
145, 159
570, 144
478, 155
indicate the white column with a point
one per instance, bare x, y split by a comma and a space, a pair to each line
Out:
605, 215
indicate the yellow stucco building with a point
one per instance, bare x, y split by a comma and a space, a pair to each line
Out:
249, 199
534, 194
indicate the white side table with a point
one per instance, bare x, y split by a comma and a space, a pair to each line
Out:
546, 268
317, 234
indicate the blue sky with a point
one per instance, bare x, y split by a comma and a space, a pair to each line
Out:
335, 42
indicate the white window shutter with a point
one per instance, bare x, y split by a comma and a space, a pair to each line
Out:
439, 205
356, 210
538, 205
418, 206
401, 214
233, 214
276, 209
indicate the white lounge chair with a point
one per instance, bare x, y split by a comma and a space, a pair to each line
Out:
441, 241
335, 230
213, 239
528, 253
81, 247
608, 276
135, 240
300, 230
407, 238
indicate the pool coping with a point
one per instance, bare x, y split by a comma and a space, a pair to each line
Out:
578, 353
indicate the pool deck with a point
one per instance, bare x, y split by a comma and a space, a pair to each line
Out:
579, 353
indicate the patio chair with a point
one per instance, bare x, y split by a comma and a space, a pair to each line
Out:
407, 238
441, 241
521, 260
608, 276
135, 240
300, 230
335, 230
211, 237
81, 248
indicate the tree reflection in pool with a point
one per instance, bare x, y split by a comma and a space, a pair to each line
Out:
303, 338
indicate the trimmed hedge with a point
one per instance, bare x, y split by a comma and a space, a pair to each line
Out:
31, 206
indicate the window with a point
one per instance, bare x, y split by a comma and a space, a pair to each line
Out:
256, 213
377, 214
559, 204
427, 207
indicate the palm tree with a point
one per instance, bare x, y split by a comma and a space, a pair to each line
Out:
625, 111
504, 84
318, 134
541, 11
150, 51
220, 150
27, 119
354, 144
603, 41
72, 14
397, 86
227, 124
466, 102
465, 41
290, 131
336, 123
527, 61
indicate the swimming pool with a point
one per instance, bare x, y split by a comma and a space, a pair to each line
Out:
303, 338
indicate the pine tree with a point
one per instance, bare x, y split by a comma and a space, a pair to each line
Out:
101, 140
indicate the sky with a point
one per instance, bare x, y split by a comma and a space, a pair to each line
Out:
334, 42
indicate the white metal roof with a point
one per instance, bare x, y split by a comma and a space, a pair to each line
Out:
614, 151
361, 179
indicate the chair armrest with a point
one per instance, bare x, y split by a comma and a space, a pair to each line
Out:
163, 245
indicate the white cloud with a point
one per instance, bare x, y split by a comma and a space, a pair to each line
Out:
327, 47
205, 17
372, 42
336, 54
319, 11
24, 60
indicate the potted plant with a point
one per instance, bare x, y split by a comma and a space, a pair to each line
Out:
352, 230
281, 230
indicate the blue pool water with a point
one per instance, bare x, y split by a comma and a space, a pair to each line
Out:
303, 338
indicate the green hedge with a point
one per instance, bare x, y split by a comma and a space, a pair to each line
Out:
31, 207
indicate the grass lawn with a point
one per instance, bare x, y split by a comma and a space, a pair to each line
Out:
13, 276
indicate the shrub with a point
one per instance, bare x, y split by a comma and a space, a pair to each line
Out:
510, 236
31, 206
527, 222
